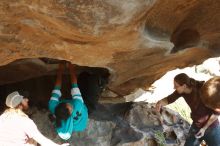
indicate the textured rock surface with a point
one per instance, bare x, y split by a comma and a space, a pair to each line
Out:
132, 39
126, 124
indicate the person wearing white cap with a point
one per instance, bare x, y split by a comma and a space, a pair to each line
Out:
16, 128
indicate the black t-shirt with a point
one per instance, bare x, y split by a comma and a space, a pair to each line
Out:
200, 114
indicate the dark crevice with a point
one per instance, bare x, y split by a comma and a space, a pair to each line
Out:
183, 39
91, 81
170, 136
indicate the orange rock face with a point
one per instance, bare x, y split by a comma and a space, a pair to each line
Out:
137, 40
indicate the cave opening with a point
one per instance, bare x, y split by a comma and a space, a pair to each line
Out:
35, 78
183, 39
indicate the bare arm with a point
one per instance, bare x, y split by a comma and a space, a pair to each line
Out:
75, 92
201, 132
161, 103
44, 141
167, 100
59, 75
212, 119
72, 74
32, 131
56, 93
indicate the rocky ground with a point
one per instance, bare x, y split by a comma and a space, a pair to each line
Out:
126, 124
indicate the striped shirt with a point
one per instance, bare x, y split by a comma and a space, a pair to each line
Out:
79, 116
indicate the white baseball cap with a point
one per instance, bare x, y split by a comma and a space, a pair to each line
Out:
13, 99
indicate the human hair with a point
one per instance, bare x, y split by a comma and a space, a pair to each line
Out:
12, 111
210, 92
183, 78
61, 113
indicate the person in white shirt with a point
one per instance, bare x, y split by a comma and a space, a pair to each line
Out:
16, 128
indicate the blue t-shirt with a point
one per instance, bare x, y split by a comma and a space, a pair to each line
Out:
79, 117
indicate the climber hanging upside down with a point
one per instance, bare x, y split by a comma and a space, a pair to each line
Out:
71, 115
